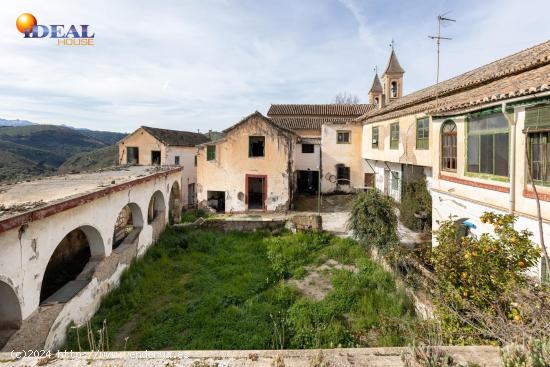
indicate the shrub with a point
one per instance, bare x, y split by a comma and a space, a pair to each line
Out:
373, 220
480, 276
535, 354
416, 199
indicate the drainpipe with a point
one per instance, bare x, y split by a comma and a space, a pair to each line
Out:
512, 174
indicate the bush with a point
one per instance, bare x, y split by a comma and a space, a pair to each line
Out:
416, 199
373, 220
477, 278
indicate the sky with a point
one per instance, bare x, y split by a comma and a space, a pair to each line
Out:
205, 64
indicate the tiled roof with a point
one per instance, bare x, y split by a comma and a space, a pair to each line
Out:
393, 65
376, 85
176, 137
262, 117
319, 109
307, 122
520, 74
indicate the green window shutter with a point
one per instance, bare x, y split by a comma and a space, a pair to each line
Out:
375, 137
394, 136
537, 117
210, 152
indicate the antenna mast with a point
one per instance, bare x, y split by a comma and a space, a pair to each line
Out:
440, 20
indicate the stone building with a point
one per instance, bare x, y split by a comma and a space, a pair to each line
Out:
151, 146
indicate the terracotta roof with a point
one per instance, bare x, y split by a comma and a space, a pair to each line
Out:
520, 74
262, 117
350, 110
393, 65
307, 122
176, 137
376, 85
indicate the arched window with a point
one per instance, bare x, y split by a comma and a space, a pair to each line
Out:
393, 89
448, 146
376, 101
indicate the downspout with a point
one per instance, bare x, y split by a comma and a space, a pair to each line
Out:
512, 174
319, 197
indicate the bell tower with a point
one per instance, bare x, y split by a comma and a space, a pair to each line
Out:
393, 78
376, 93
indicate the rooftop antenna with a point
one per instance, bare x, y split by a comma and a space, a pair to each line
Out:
441, 19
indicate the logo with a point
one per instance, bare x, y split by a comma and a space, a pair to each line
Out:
66, 36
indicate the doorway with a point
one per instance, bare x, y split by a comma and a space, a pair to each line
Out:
191, 195
256, 192
308, 182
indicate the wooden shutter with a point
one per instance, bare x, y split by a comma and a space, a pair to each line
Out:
537, 117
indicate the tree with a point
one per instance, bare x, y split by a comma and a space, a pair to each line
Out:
346, 98
373, 221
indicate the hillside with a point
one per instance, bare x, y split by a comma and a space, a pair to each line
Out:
32, 150
92, 160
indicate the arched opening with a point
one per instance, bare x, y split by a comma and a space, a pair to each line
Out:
174, 203
128, 225
393, 89
10, 313
448, 146
156, 208
67, 272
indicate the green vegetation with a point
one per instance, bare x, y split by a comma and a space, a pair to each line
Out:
192, 215
373, 220
416, 202
35, 150
198, 289
91, 161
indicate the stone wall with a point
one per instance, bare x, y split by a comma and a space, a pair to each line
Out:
244, 225
307, 222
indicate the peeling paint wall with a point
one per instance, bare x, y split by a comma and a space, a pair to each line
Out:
228, 171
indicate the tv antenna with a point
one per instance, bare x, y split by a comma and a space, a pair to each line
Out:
441, 20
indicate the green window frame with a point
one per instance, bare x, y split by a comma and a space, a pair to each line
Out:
343, 137
394, 135
488, 145
539, 157
423, 133
210, 152
375, 137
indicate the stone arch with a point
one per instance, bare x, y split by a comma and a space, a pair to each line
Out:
128, 224
174, 203
157, 207
70, 261
10, 312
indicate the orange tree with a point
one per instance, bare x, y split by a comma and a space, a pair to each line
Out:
478, 275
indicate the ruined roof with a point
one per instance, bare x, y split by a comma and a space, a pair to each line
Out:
43, 194
176, 137
307, 122
319, 109
393, 65
376, 85
520, 74
257, 114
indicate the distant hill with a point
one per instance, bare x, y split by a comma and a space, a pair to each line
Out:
91, 161
41, 149
15, 122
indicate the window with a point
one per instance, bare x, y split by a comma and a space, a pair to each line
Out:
394, 181
423, 133
343, 137
195, 160
308, 148
132, 155
375, 137
342, 175
155, 157
393, 89
210, 152
539, 156
369, 179
256, 146
394, 135
177, 160
488, 145
448, 146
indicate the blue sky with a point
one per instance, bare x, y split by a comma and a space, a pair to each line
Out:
204, 64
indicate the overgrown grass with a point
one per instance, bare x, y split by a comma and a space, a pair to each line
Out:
209, 290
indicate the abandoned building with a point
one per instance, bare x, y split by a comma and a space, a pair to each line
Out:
250, 169
67, 239
150, 146
328, 147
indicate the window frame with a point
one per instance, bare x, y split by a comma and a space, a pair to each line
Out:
394, 141
423, 142
545, 162
338, 132
452, 134
308, 144
376, 132
486, 133
136, 149
177, 160
210, 153
250, 150
346, 179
